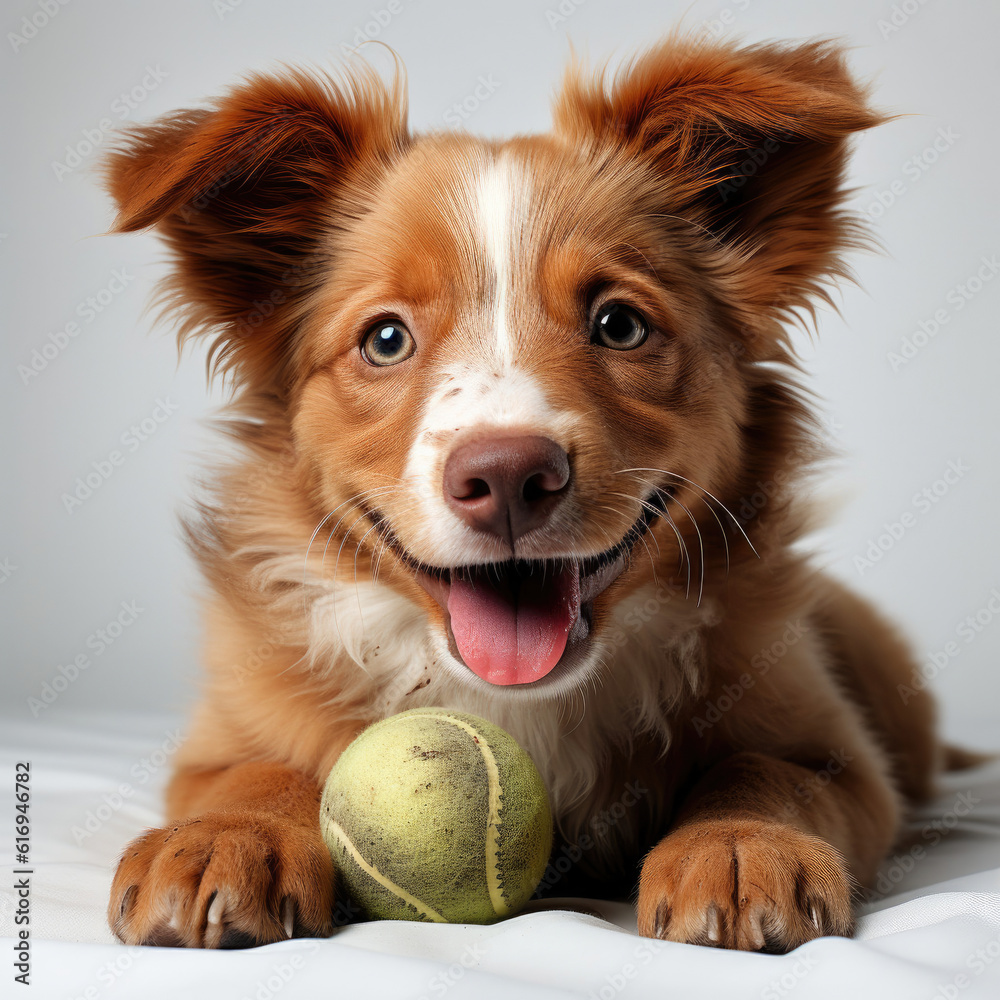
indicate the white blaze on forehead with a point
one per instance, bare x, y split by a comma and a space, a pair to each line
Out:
473, 394
484, 387
501, 197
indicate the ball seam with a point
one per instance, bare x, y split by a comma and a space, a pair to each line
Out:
386, 883
493, 882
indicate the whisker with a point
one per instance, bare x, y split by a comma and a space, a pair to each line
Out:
312, 539
698, 486
381, 545
336, 567
612, 539
682, 546
701, 550
685, 555
652, 562
722, 530
694, 524
642, 538
364, 494
652, 508
357, 591
384, 536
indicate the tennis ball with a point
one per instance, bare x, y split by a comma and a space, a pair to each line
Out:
439, 816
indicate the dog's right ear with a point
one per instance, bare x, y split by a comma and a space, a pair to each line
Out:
243, 192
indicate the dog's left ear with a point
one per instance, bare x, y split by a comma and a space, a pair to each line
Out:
749, 143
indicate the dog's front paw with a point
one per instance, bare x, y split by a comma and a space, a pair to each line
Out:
224, 880
746, 884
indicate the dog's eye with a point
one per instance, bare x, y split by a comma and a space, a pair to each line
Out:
387, 343
619, 327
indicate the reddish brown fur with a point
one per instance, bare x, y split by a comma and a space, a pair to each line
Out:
298, 210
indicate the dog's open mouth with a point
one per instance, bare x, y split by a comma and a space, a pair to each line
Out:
514, 622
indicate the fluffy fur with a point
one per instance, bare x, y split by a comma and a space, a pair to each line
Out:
730, 726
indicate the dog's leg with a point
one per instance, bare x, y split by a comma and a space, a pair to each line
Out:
248, 867
765, 853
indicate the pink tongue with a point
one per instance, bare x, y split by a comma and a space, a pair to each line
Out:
517, 638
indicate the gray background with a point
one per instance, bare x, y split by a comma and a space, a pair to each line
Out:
66, 574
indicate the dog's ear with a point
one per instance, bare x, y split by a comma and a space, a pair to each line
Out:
244, 191
748, 143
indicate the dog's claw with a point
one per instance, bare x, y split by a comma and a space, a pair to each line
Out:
214, 927
217, 909
288, 915
127, 900
712, 928
755, 932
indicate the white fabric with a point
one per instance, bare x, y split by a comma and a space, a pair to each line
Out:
935, 933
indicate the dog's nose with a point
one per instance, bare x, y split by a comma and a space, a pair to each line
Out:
506, 485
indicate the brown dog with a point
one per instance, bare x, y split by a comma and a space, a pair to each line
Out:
503, 408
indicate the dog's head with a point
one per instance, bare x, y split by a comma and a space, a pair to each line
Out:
524, 377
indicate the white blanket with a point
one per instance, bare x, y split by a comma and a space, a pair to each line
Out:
934, 932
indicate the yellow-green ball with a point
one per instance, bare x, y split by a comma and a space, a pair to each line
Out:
437, 815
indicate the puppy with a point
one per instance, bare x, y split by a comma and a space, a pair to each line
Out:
519, 435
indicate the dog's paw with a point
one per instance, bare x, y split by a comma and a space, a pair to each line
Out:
224, 880
752, 885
